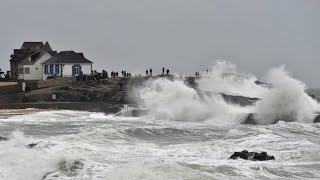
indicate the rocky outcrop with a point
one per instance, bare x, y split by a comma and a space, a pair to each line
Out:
139, 112
231, 99
239, 100
317, 119
28, 146
253, 156
3, 138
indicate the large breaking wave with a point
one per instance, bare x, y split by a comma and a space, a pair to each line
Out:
286, 101
174, 100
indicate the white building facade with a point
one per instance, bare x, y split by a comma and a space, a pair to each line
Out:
31, 67
66, 64
65, 70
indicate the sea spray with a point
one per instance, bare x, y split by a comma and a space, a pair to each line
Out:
174, 100
286, 101
224, 77
171, 99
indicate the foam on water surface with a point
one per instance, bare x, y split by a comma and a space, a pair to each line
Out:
186, 135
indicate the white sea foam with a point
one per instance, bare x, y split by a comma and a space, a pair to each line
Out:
224, 77
162, 149
17, 161
286, 101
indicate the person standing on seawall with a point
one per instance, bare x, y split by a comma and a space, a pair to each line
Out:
167, 71
150, 71
147, 72
163, 71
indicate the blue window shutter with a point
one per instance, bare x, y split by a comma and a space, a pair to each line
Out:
45, 69
72, 70
80, 71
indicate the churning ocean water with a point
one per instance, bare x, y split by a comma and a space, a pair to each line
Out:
184, 136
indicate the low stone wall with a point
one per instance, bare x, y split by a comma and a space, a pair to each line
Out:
9, 89
55, 82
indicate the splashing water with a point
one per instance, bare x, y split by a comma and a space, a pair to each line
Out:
224, 77
286, 101
174, 100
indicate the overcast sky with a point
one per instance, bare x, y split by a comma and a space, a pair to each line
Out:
183, 35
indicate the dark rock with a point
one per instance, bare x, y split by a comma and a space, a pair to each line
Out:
32, 145
116, 108
254, 156
243, 155
28, 146
317, 119
314, 97
250, 119
139, 112
239, 100
3, 138
263, 156
267, 85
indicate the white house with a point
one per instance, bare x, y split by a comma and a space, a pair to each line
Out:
66, 64
31, 67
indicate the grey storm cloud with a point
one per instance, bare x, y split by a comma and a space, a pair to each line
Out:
183, 35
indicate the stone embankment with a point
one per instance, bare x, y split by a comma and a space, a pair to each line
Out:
108, 95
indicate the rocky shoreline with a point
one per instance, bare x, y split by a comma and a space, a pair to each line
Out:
106, 95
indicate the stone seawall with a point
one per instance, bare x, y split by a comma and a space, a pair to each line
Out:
108, 95
9, 89
55, 82
81, 106
39, 84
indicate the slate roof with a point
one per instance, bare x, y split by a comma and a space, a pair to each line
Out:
33, 44
18, 51
29, 48
35, 57
47, 47
68, 57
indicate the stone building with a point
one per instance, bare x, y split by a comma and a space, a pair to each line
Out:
27, 49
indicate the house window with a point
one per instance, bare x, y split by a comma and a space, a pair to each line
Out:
57, 69
20, 70
76, 70
27, 70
